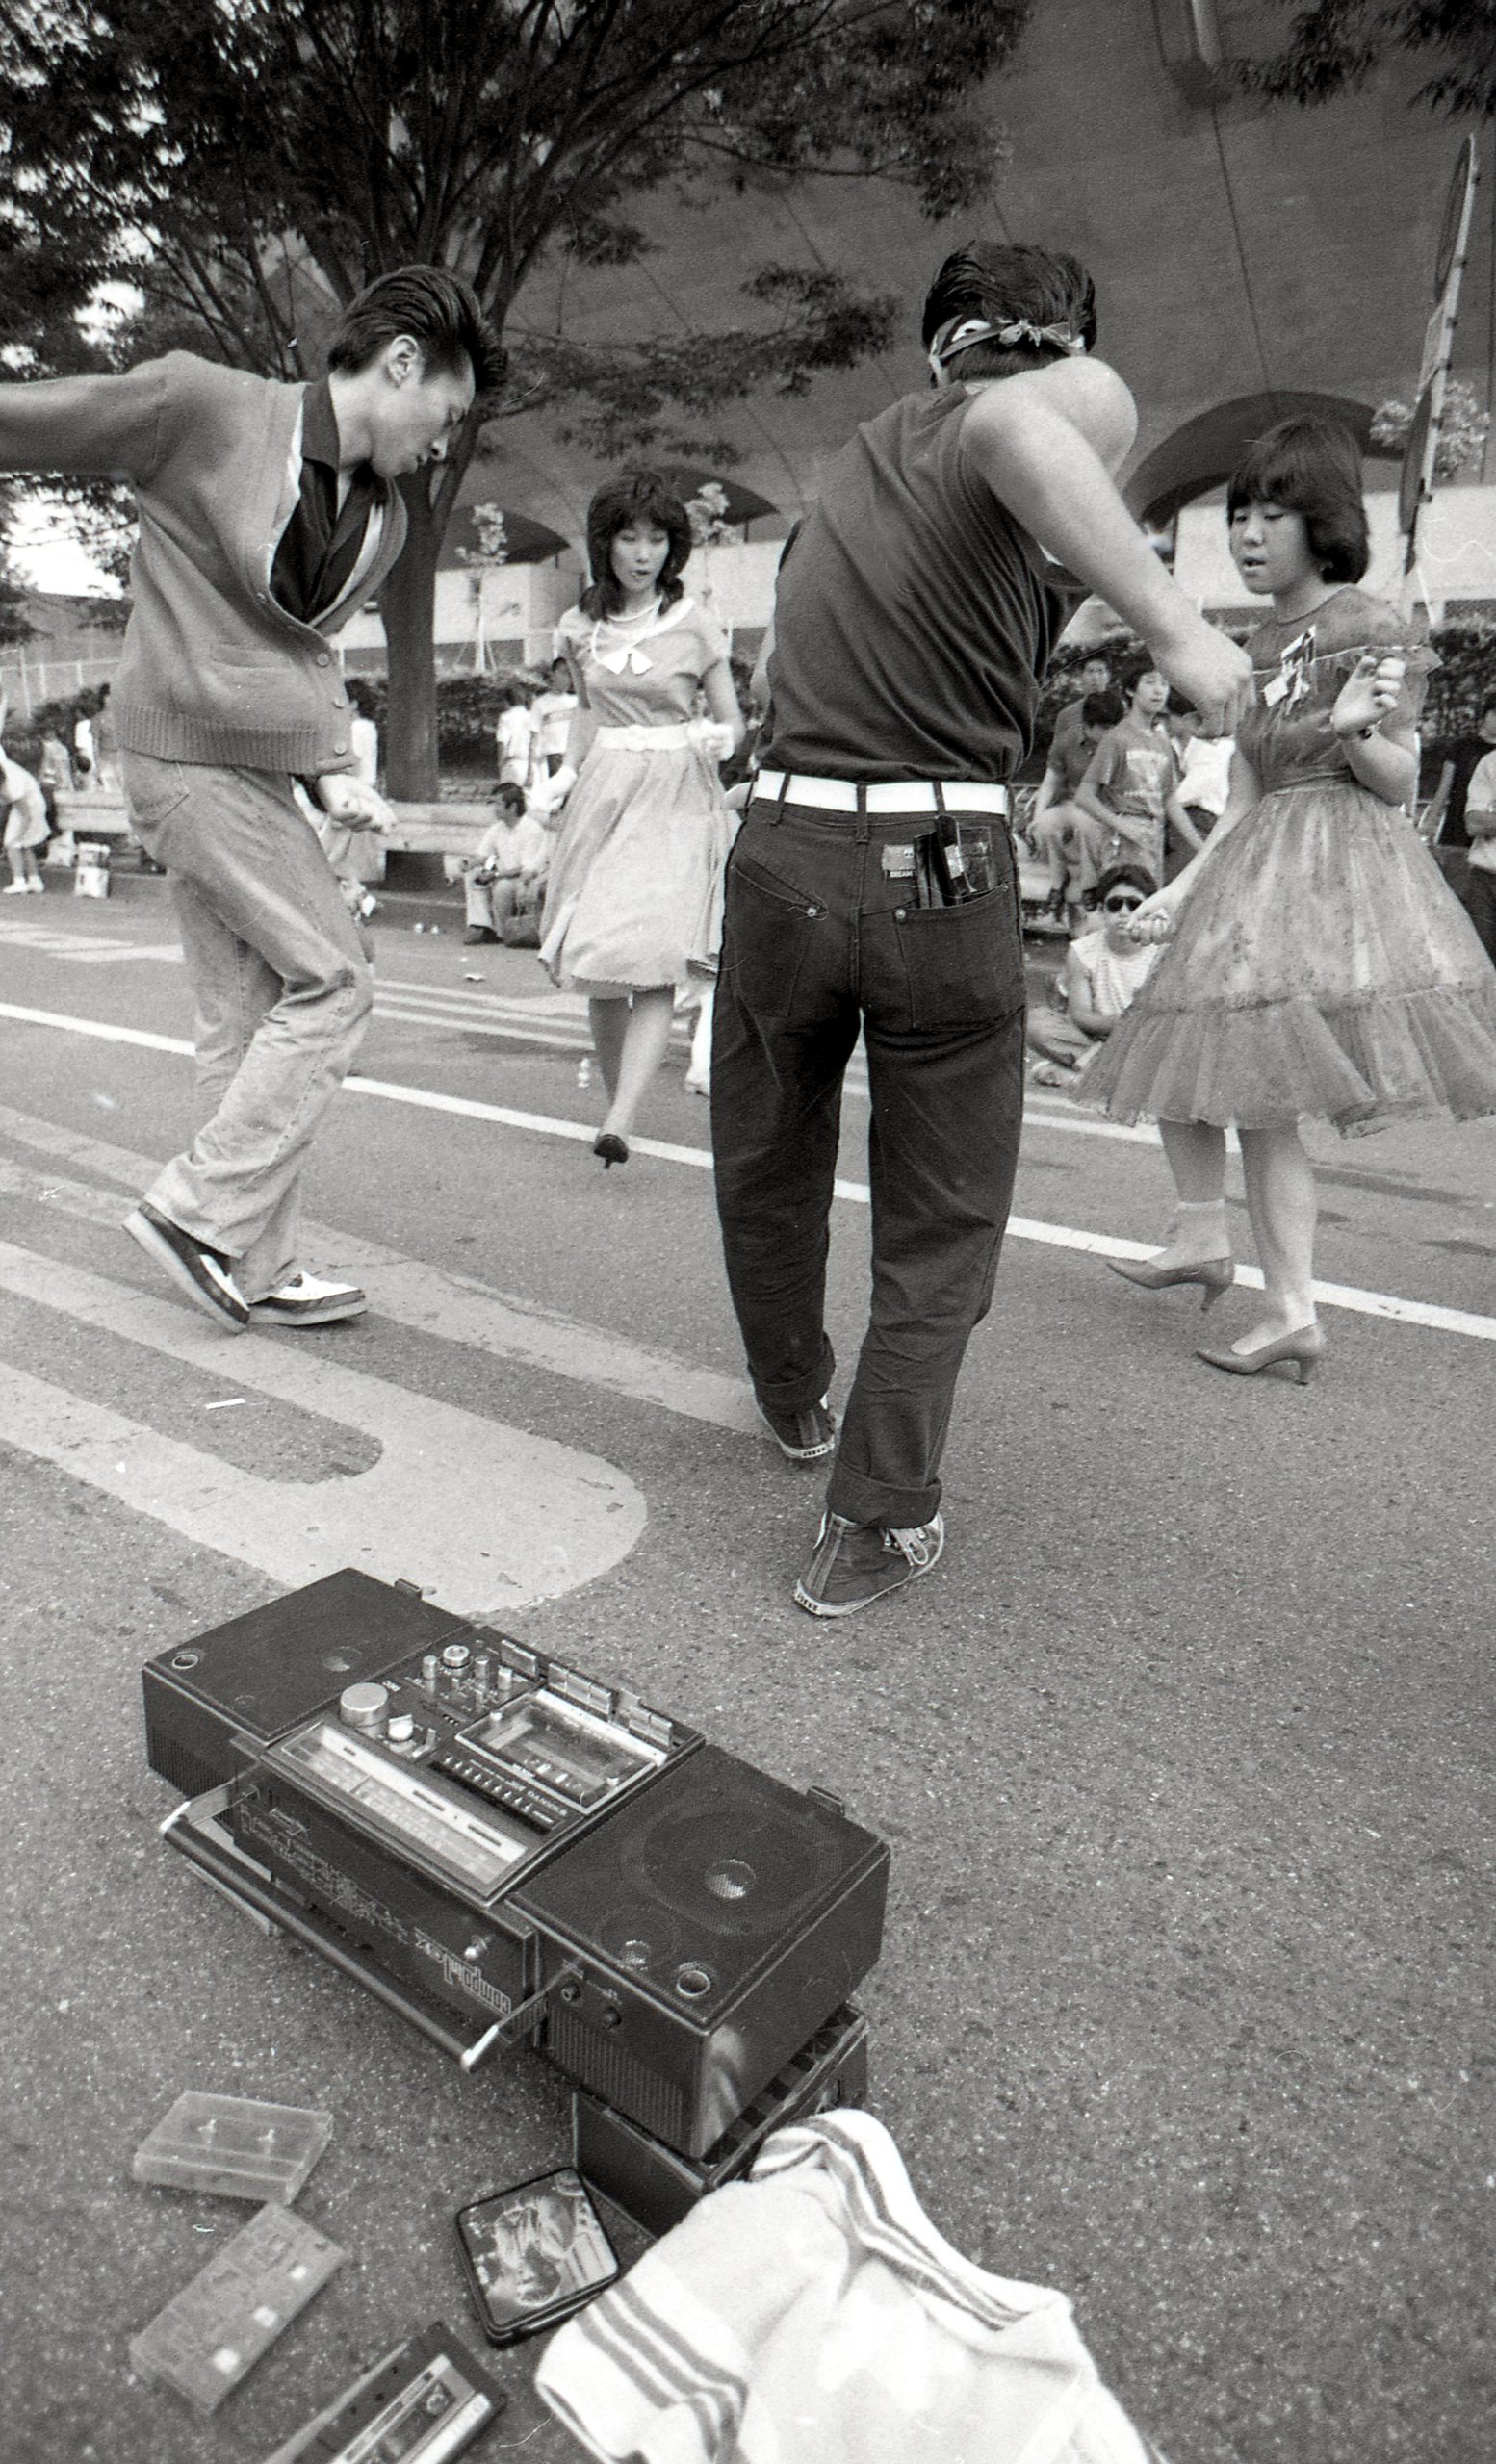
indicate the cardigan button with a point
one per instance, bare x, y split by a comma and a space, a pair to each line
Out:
325, 658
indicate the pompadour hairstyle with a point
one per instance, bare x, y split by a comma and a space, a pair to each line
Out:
437, 310
634, 495
999, 280
1311, 467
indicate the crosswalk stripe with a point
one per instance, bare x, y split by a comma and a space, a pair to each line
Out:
1058, 1236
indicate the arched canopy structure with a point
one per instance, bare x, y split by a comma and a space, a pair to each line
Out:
1206, 450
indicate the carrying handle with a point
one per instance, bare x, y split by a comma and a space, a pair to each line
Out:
222, 1868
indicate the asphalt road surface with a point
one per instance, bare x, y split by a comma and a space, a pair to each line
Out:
1183, 1752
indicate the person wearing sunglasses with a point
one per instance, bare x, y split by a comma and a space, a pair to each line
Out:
1105, 970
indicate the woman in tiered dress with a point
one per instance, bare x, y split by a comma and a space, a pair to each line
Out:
1317, 966
634, 898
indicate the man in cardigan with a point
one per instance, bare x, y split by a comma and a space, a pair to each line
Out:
267, 514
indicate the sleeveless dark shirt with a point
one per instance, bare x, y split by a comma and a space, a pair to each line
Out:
913, 616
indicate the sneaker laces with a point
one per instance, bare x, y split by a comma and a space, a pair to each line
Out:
916, 1542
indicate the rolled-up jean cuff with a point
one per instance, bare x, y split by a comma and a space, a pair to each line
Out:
797, 1393
852, 1494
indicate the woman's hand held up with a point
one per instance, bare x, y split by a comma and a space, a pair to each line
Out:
1369, 692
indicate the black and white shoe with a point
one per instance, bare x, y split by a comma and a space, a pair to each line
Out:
305, 1300
204, 1274
805, 1436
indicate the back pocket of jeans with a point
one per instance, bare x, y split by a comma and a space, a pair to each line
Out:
766, 937
964, 965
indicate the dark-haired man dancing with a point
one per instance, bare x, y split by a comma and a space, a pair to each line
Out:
916, 613
267, 514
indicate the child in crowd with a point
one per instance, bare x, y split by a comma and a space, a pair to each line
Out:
552, 713
1058, 828
506, 878
25, 828
1105, 970
1130, 795
515, 735
1205, 784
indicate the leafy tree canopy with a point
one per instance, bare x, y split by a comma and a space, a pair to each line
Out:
236, 169
1333, 46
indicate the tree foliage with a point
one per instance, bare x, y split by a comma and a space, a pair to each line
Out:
1333, 46
246, 165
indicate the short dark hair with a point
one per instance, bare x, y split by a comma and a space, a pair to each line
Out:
511, 794
1095, 658
439, 312
1132, 675
363, 696
1311, 466
1103, 709
1116, 876
1001, 281
634, 495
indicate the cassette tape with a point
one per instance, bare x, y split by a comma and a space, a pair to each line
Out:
535, 2254
211, 2334
233, 2146
424, 2402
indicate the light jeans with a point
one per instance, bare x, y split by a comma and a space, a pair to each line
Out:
283, 990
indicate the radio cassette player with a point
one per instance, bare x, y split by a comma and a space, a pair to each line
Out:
504, 1848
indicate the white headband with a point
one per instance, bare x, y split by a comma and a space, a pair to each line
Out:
961, 333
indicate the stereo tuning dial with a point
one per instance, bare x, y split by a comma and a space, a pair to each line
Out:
364, 1707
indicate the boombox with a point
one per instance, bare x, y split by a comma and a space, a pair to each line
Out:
506, 1849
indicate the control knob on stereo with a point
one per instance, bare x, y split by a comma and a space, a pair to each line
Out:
454, 1662
401, 1727
364, 1707
482, 1670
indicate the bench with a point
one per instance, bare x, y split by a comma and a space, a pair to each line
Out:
427, 829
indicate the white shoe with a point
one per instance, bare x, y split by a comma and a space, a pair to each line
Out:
306, 1301
36, 885
14, 890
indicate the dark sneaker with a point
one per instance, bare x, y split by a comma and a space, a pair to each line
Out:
202, 1274
306, 1301
858, 1563
803, 1436
477, 932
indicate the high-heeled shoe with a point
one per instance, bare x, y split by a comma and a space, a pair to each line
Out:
612, 1148
1302, 1350
1217, 1274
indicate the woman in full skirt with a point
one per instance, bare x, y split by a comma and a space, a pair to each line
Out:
634, 890
1317, 965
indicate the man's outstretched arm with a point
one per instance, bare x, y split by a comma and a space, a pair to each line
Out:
1042, 443
108, 425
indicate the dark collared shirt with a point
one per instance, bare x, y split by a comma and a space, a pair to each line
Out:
321, 543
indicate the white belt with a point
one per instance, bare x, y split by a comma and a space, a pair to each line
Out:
639, 737
882, 795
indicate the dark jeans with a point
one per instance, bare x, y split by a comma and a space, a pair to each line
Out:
1481, 908
819, 942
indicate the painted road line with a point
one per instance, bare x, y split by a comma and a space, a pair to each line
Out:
1056, 1235
490, 1517
414, 1293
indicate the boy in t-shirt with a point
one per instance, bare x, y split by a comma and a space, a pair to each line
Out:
1054, 824
1130, 795
1104, 971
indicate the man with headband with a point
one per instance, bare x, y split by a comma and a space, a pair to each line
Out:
872, 888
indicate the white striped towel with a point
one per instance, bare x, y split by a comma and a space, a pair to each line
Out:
812, 2315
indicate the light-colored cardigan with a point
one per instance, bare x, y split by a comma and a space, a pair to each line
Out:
213, 670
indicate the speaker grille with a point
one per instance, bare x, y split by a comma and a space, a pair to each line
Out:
614, 2074
176, 1763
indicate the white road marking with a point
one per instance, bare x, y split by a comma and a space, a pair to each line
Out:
1058, 1236
413, 1292
490, 1517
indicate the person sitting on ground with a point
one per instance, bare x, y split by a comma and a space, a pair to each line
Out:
1130, 795
506, 875
1103, 971
1057, 825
